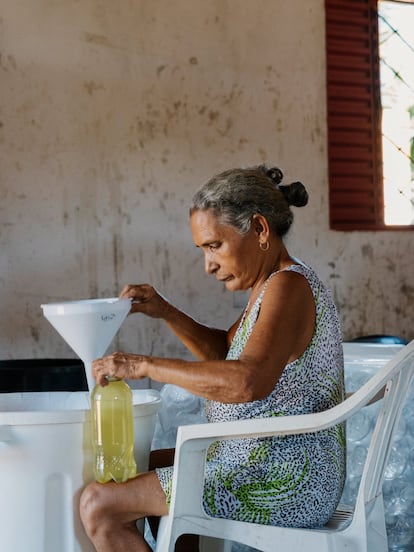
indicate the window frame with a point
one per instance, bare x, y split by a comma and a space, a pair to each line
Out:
356, 191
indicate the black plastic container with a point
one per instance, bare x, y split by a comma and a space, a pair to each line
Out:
42, 374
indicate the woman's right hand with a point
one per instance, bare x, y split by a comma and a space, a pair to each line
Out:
145, 299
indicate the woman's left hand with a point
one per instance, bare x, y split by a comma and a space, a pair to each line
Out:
118, 365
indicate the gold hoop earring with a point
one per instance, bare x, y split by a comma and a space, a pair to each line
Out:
264, 246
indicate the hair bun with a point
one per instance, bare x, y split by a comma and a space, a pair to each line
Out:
274, 173
295, 194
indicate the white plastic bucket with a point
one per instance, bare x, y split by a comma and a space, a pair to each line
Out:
46, 459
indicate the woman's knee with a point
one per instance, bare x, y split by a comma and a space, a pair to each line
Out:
93, 507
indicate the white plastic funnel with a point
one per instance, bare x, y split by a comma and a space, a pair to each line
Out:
88, 326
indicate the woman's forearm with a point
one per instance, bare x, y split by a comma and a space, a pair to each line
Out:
221, 380
229, 381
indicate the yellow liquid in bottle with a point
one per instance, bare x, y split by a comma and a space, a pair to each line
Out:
113, 432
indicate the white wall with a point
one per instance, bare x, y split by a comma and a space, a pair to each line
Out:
113, 113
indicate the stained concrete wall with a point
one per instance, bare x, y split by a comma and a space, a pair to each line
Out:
113, 113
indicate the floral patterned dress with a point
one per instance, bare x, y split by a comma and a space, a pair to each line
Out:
293, 480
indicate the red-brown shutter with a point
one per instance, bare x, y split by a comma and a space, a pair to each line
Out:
354, 115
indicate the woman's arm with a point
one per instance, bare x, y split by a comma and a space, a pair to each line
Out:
204, 342
280, 335
220, 380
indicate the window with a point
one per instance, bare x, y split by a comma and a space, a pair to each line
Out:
396, 23
354, 112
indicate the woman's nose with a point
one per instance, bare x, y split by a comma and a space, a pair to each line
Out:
210, 265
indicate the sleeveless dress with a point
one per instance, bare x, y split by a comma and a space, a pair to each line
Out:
293, 480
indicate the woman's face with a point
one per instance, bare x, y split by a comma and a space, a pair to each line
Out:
230, 256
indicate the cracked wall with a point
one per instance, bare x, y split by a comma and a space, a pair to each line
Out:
112, 114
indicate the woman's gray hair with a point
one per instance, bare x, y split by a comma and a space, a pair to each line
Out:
235, 195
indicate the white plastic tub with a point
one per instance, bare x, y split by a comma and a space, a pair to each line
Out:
46, 459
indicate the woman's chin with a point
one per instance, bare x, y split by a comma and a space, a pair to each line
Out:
232, 285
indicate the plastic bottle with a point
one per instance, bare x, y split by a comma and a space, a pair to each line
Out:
113, 432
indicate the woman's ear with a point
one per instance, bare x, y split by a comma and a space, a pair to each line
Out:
260, 226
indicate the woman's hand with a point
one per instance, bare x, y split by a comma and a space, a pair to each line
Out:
146, 299
118, 365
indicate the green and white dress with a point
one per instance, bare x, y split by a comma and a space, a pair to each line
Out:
295, 480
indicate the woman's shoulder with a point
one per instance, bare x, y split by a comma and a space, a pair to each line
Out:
295, 281
292, 281
297, 266
305, 270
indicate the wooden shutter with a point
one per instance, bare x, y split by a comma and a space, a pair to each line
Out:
354, 115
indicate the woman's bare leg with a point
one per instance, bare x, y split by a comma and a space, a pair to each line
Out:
109, 512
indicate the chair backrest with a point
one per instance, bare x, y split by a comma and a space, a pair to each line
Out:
397, 374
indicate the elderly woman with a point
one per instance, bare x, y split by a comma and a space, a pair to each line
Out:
283, 356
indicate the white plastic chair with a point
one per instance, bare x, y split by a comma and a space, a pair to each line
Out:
350, 529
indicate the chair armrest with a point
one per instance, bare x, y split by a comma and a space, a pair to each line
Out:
376, 398
284, 425
304, 423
